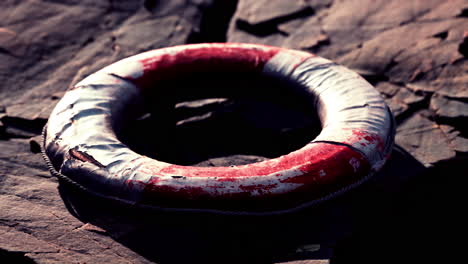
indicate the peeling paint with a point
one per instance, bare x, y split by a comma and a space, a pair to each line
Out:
355, 164
322, 173
83, 156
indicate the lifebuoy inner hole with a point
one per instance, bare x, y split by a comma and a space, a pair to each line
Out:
222, 119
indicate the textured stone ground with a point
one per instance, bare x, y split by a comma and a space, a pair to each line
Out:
414, 52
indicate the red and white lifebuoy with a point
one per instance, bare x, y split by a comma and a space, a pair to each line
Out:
355, 141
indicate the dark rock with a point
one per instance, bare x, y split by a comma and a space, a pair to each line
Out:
232, 160
255, 12
34, 219
387, 89
407, 97
424, 139
55, 44
458, 142
449, 108
450, 82
33, 109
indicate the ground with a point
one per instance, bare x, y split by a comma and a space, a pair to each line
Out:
414, 52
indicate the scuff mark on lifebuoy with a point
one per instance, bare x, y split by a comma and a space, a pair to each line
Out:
84, 157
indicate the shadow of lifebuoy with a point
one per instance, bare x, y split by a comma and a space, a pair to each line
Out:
325, 231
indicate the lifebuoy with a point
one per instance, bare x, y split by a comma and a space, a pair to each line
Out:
356, 139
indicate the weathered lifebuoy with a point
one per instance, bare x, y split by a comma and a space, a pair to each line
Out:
356, 139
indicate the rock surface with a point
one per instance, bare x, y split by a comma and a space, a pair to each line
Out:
414, 52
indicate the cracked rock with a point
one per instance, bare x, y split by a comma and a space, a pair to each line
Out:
458, 142
263, 10
425, 140
449, 108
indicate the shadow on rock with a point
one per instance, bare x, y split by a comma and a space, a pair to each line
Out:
418, 222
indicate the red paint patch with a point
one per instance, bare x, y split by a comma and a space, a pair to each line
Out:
217, 58
227, 179
318, 153
369, 139
153, 181
336, 166
319, 156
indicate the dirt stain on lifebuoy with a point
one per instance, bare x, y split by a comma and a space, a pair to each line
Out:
85, 157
